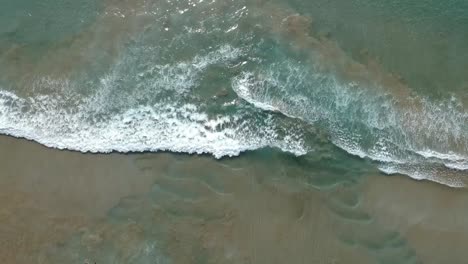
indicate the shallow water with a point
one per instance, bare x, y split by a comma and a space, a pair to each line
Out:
262, 207
299, 101
228, 77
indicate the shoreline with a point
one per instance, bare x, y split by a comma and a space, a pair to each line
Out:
457, 181
45, 190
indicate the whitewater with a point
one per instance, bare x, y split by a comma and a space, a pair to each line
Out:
222, 79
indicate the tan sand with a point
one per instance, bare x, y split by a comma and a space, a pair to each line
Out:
230, 214
46, 194
432, 217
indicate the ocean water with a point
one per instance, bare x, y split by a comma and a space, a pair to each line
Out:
383, 80
327, 91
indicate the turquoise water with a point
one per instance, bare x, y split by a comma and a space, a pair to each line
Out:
224, 78
334, 89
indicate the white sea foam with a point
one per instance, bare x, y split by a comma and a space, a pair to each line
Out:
451, 160
453, 179
64, 120
92, 123
443, 156
177, 128
460, 165
362, 123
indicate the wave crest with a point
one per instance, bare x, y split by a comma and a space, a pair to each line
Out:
364, 122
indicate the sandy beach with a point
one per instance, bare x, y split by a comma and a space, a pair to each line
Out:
48, 194
201, 210
299, 112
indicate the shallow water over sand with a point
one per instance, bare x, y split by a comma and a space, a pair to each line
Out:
64, 207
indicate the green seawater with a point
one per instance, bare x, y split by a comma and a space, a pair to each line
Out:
304, 98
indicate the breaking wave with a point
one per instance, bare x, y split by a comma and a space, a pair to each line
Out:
145, 118
365, 123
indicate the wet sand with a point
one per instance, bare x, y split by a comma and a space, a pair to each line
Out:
48, 194
67, 207
431, 216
